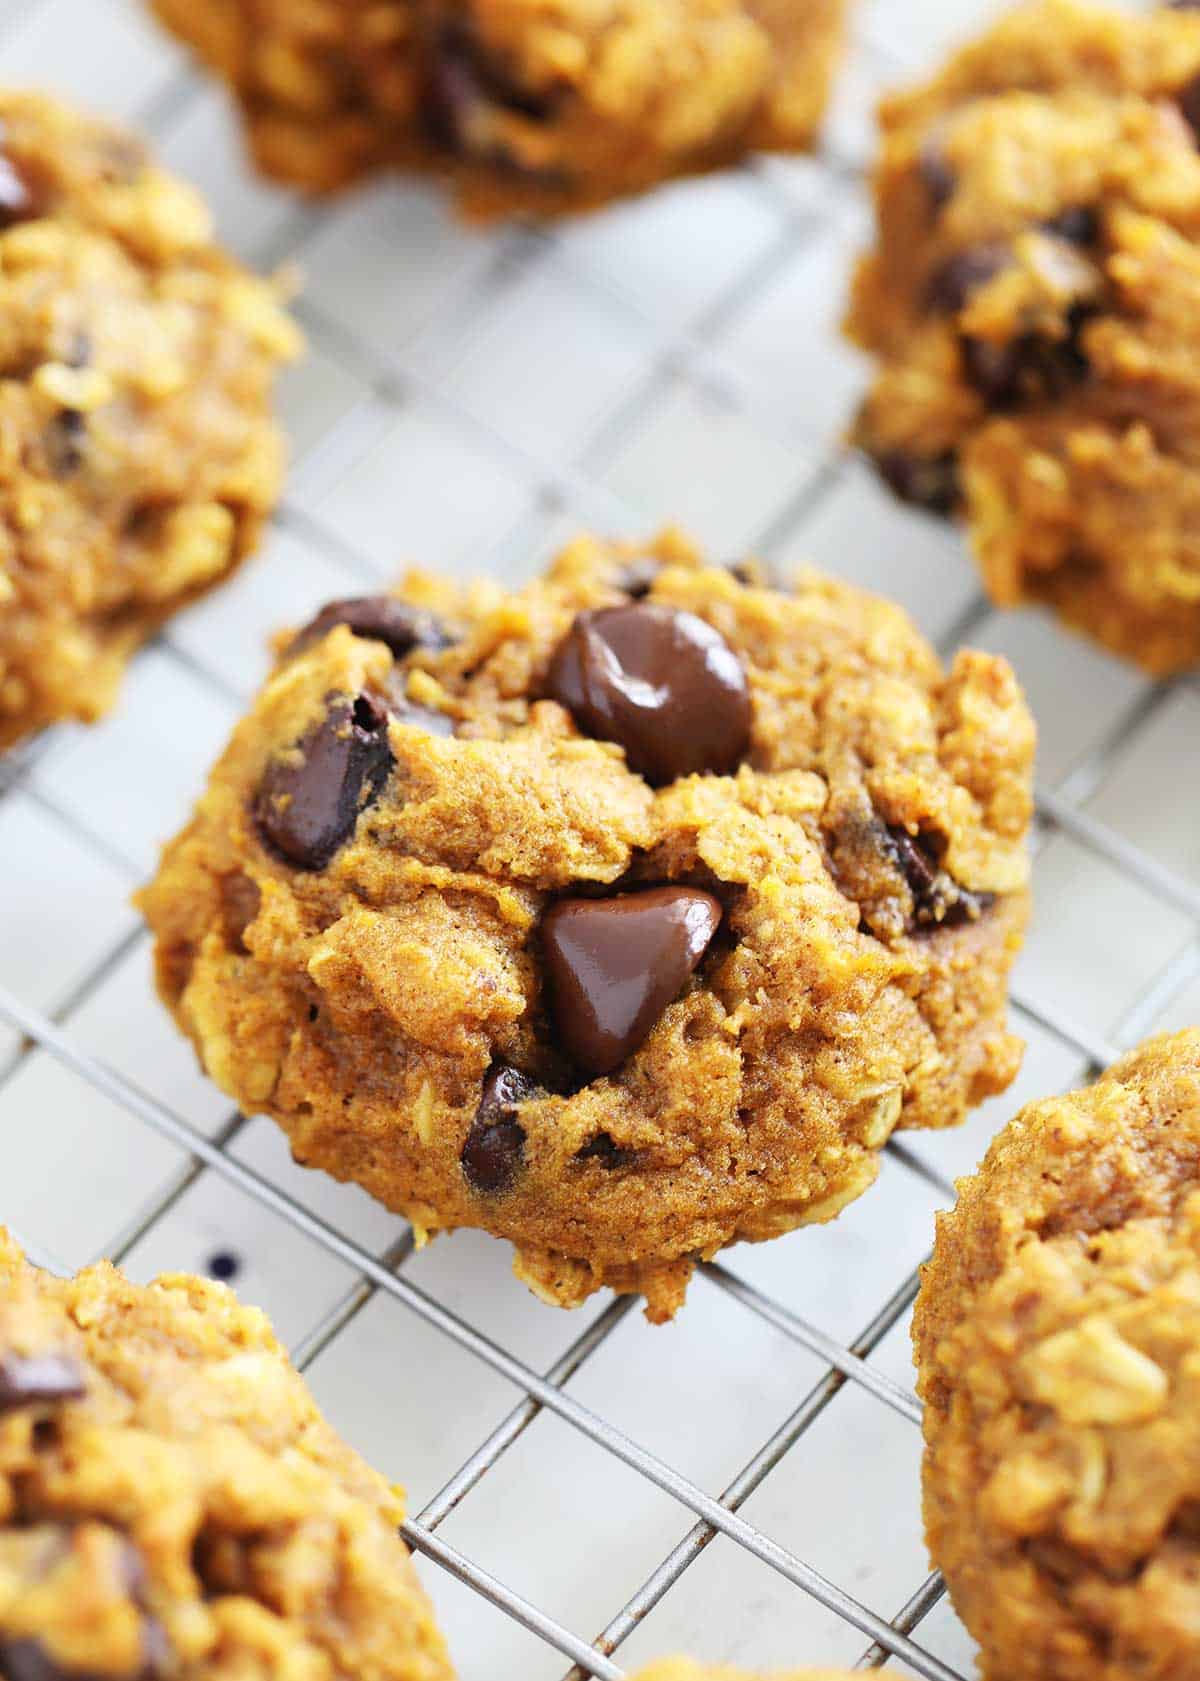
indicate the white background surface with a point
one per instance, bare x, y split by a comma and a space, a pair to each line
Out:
469, 400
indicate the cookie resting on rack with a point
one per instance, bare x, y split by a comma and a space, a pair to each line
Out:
1057, 1334
1034, 304
535, 105
624, 916
137, 453
173, 1505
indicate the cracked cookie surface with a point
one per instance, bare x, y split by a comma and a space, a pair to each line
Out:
1032, 300
428, 917
137, 453
1057, 1335
537, 105
172, 1504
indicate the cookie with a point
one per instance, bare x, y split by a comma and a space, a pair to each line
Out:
625, 916
1057, 1335
520, 105
1033, 301
138, 458
172, 1504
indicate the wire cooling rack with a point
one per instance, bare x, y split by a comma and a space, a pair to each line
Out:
743, 1483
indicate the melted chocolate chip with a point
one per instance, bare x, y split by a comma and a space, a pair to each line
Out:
31, 1380
494, 1151
1078, 226
307, 810
937, 176
951, 285
380, 617
605, 1150
613, 965
938, 900
1029, 368
929, 482
662, 683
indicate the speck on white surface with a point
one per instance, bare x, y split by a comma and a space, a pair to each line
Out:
470, 399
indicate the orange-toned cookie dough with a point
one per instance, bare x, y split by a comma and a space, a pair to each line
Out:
137, 453
1057, 1336
624, 916
537, 105
1033, 301
173, 1505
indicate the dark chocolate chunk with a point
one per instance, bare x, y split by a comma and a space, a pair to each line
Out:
938, 900
929, 482
381, 617
937, 176
1029, 368
31, 1380
494, 1151
307, 807
613, 965
951, 284
662, 683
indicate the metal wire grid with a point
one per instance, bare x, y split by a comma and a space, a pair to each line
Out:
558, 488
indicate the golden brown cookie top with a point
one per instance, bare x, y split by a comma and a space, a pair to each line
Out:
1057, 1336
173, 1504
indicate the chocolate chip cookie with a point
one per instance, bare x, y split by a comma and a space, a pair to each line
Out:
172, 1504
1033, 301
137, 454
625, 916
1058, 1339
520, 104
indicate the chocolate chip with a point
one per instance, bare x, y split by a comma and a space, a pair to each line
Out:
613, 965
1078, 226
662, 683
29, 1380
22, 197
938, 900
65, 436
950, 285
929, 482
464, 86
605, 1150
1029, 368
495, 1148
936, 173
1188, 100
223, 1265
380, 617
307, 810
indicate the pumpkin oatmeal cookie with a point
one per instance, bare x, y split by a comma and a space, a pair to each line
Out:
172, 1504
625, 916
1033, 301
536, 105
1057, 1335
137, 453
